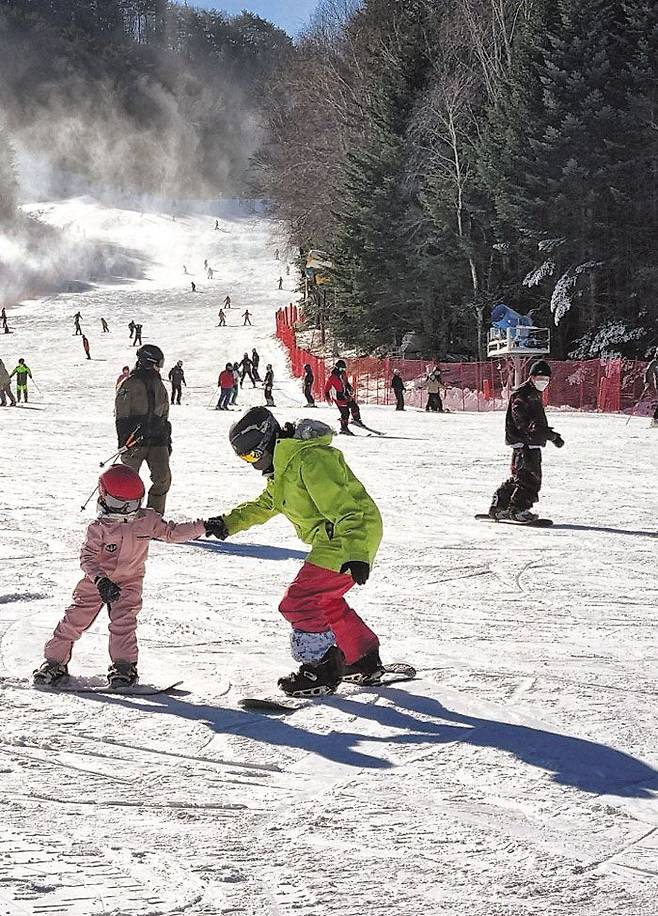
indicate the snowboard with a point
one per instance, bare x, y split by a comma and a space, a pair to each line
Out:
394, 673
83, 685
537, 523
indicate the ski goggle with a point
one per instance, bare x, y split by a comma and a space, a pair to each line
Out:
253, 456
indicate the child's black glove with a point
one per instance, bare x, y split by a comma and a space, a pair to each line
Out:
358, 570
216, 527
558, 441
107, 589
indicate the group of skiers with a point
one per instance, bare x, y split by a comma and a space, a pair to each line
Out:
135, 333
232, 377
78, 332
432, 382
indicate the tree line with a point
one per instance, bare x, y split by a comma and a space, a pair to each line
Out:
452, 155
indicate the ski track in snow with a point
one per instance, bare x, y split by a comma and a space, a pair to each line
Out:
516, 776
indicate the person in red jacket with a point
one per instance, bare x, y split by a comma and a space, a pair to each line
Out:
339, 390
225, 383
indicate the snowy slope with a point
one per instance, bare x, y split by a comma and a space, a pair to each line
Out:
516, 776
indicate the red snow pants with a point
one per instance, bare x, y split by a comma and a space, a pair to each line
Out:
80, 615
314, 602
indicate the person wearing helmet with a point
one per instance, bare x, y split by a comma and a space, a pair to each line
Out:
113, 561
398, 386
268, 384
22, 371
311, 484
177, 379
308, 385
339, 390
527, 432
225, 383
142, 411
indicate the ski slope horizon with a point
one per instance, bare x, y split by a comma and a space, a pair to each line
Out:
517, 775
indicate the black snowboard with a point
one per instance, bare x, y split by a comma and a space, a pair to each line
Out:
537, 523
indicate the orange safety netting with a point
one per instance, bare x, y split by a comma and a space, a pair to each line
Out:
607, 385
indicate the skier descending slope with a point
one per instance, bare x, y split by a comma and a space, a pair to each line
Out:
310, 483
527, 431
340, 391
113, 560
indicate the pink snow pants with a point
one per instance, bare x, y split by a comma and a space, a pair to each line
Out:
80, 615
314, 602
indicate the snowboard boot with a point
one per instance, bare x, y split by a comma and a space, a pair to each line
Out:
367, 670
315, 679
50, 674
122, 674
519, 515
653, 424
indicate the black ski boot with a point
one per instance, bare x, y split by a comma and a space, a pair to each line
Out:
50, 674
315, 679
345, 432
367, 670
122, 674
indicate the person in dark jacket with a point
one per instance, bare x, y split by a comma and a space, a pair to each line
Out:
85, 344
177, 378
308, 386
142, 422
268, 384
247, 369
255, 362
398, 389
527, 432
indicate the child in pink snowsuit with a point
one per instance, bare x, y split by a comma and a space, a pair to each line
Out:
113, 560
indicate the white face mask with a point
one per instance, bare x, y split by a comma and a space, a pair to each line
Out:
540, 382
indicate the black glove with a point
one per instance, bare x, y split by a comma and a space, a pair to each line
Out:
358, 570
558, 441
216, 527
107, 589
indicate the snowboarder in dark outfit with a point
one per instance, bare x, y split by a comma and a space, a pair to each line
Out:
247, 317
131, 328
255, 362
77, 318
247, 369
222, 318
138, 335
177, 378
85, 344
193, 286
308, 386
310, 483
527, 432
398, 389
105, 326
268, 384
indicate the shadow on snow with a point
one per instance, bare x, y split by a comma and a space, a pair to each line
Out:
257, 551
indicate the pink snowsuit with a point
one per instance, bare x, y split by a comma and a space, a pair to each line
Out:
117, 548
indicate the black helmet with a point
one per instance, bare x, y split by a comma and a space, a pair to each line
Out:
150, 356
254, 436
541, 367
341, 364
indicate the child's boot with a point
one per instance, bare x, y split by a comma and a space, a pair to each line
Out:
367, 670
49, 674
315, 679
122, 674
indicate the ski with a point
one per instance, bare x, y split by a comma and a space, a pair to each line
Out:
536, 523
377, 432
395, 673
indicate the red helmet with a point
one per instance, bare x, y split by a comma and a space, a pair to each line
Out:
120, 489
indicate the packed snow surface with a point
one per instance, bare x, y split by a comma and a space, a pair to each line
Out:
516, 776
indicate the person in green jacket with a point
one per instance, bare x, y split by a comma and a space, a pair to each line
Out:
21, 372
310, 483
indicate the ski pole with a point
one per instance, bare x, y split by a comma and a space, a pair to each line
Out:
212, 397
89, 499
36, 386
132, 440
637, 404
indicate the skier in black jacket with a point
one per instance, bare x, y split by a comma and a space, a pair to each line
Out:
308, 385
527, 432
177, 378
398, 389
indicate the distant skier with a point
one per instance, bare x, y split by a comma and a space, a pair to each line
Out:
651, 382
22, 371
5, 325
177, 378
205, 264
247, 369
280, 282
105, 326
222, 318
276, 254
255, 362
225, 385
216, 224
227, 302
527, 432
131, 328
287, 270
193, 286
211, 273
77, 318
339, 390
310, 483
184, 269
268, 384
125, 372
309, 378
85, 344
433, 384
236, 383
113, 561
247, 317
5, 387
399, 389
138, 335
142, 413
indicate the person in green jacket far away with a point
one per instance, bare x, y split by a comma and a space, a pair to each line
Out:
21, 372
309, 481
